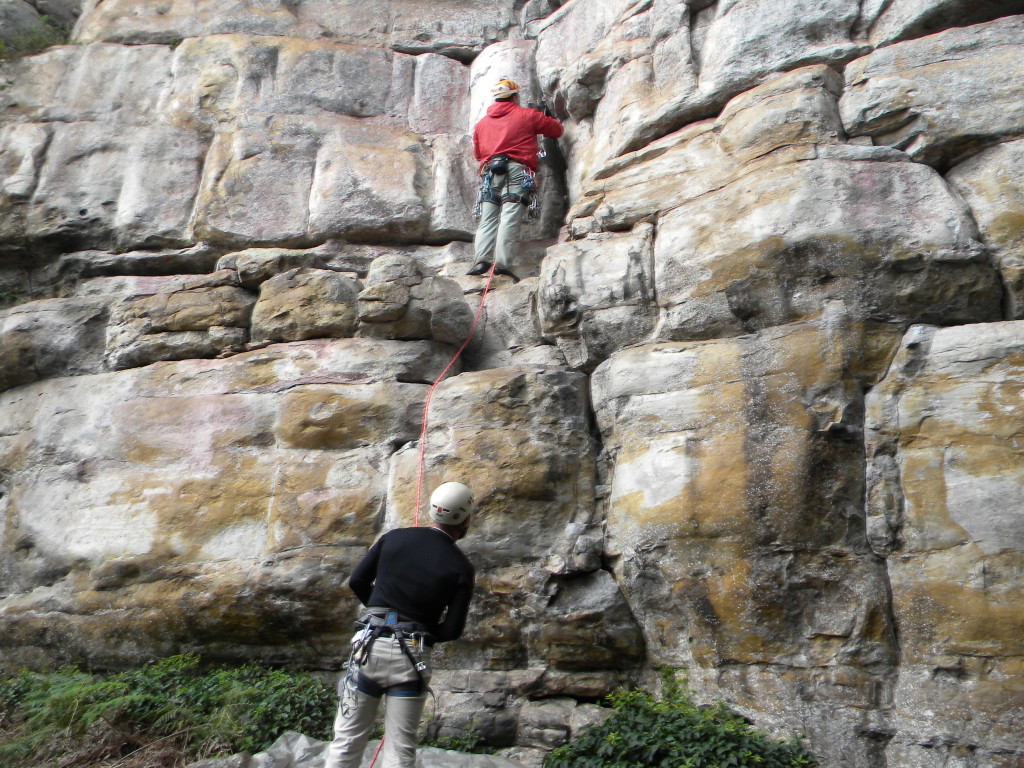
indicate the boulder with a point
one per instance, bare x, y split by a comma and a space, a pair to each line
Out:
305, 303
63, 12
203, 317
946, 507
402, 301
17, 20
940, 98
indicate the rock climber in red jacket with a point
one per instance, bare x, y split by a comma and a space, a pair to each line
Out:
505, 147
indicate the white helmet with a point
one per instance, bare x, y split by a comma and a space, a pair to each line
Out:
451, 503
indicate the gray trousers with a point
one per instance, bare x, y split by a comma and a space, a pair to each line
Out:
387, 665
498, 230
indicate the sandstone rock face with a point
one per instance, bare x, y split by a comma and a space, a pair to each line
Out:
50, 337
751, 413
400, 301
941, 97
992, 183
200, 318
736, 482
206, 481
944, 503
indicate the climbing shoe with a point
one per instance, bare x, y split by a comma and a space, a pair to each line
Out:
480, 268
506, 273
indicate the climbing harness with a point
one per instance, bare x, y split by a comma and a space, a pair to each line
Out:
527, 194
371, 627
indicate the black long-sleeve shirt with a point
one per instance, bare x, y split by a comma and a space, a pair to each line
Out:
420, 573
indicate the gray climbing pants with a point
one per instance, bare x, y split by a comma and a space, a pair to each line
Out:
386, 666
498, 230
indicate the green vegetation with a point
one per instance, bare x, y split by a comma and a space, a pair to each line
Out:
34, 40
165, 714
670, 731
468, 740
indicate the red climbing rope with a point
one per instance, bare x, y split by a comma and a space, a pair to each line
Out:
377, 751
430, 394
423, 427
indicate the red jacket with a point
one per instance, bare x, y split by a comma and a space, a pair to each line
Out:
509, 129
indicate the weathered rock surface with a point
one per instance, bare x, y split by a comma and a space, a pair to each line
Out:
51, 337
233, 246
992, 183
763, 218
305, 303
942, 97
946, 507
203, 317
888, 22
539, 476
262, 475
457, 28
735, 520
402, 301
597, 294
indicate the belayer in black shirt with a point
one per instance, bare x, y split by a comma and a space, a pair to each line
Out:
416, 585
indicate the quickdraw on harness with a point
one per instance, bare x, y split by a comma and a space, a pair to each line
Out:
527, 195
373, 627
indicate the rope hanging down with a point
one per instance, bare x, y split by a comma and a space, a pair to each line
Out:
423, 429
430, 393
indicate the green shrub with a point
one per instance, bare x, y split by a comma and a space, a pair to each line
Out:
469, 739
670, 731
166, 713
33, 41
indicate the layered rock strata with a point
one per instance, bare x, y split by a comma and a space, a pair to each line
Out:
751, 415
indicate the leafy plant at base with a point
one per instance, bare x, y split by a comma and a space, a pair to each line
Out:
670, 731
469, 739
161, 714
